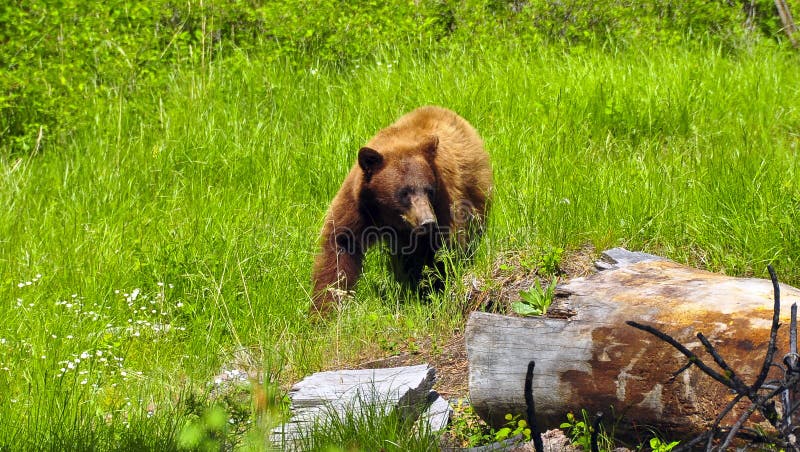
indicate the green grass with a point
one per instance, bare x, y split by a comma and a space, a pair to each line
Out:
206, 198
367, 422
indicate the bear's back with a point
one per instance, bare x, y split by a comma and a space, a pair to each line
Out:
460, 147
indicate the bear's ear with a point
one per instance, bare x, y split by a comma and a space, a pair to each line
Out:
369, 160
429, 147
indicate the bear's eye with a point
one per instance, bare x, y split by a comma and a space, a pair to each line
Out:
429, 191
404, 193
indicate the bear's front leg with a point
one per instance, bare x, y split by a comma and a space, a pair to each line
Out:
336, 270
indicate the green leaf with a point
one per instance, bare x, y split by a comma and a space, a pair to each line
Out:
502, 434
525, 309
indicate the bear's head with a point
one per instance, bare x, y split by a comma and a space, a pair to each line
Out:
399, 184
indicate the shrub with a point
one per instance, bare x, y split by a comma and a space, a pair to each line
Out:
56, 54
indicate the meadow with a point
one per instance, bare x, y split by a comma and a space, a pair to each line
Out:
167, 241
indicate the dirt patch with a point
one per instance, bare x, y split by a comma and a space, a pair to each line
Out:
516, 271
511, 273
450, 362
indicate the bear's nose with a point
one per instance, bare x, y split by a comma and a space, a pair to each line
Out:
428, 223
426, 226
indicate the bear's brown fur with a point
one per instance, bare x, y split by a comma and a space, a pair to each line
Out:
420, 183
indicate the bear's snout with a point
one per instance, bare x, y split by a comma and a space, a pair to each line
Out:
420, 216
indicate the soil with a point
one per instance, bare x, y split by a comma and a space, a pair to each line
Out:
494, 293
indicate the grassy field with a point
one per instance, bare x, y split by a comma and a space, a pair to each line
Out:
171, 237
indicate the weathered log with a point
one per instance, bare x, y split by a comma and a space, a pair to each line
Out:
332, 393
592, 360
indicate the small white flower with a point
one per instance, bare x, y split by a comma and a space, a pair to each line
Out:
99, 353
21, 285
84, 355
74, 295
180, 304
70, 365
123, 373
160, 284
69, 336
171, 286
84, 382
2, 340
135, 294
28, 283
38, 276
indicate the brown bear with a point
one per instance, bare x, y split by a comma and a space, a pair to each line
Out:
421, 183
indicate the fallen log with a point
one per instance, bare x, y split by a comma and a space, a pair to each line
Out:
318, 397
592, 360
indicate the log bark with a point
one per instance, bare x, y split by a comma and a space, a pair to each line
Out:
592, 360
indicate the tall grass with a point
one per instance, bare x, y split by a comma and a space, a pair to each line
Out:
174, 232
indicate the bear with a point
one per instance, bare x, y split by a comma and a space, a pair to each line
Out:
420, 184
